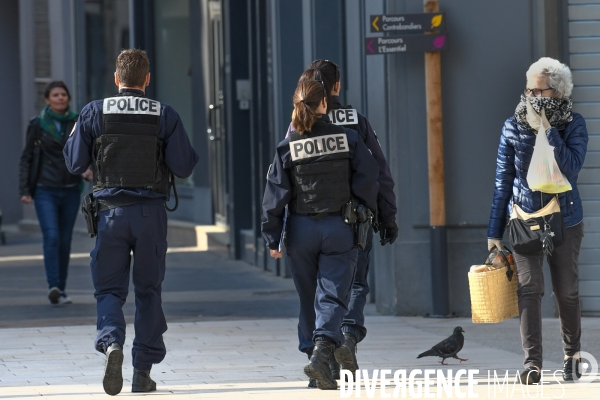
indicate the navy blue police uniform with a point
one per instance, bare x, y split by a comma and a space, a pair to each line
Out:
346, 116
315, 174
132, 144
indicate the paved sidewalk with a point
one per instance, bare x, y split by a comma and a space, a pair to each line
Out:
199, 286
232, 334
250, 359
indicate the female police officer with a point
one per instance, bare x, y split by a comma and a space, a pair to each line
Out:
317, 169
353, 325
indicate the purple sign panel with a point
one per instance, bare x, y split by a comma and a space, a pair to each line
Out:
406, 44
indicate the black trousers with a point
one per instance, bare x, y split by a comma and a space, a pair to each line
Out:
564, 274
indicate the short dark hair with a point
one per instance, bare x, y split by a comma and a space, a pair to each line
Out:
132, 66
323, 70
54, 85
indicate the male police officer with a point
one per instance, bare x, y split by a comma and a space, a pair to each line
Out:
133, 144
353, 325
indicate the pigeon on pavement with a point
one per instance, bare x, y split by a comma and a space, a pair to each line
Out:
448, 348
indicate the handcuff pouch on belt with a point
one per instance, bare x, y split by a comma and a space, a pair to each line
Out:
90, 213
349, 211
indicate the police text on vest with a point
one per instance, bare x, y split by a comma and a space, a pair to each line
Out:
319, 146
344, 116
130, 105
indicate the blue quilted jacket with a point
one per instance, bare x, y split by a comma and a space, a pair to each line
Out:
514, 155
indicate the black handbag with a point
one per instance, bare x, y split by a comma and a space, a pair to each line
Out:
541, 230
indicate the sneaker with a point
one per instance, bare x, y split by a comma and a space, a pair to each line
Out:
530, 376
54, 295
142, 382
346, 353
64, 299
113, 374
568, 366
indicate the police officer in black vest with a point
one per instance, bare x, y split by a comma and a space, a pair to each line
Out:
354, 322
134, 146
316, 171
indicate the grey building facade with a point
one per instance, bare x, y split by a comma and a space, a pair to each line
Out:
230, 67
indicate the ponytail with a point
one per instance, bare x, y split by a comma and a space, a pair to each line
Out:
307, 98
303, 117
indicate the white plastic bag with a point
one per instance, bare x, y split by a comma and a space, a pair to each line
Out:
544, 174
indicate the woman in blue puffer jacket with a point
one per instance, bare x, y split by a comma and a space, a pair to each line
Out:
545, 104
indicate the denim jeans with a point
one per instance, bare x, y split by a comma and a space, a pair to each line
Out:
565, 278
56, 209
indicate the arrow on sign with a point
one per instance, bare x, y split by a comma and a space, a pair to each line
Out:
369, 46
374, 23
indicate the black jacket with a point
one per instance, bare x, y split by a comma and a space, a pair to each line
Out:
47, 169
386, 199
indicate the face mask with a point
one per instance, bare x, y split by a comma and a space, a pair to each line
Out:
558, 111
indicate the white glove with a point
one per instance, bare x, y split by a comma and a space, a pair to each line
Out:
536, 120
494, 242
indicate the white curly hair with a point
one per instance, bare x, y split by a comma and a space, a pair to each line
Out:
557, 74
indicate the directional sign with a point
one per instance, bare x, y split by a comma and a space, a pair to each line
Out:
408, 23
405, 44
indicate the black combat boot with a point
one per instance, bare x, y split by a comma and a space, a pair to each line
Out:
318, 366
346, 354
334, 367
141, 381
312, 383
113, 375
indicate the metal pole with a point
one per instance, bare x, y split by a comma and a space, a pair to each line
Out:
437, 200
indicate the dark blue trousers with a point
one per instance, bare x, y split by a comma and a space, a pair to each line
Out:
354, 321
56, 210
141, 230
322, 260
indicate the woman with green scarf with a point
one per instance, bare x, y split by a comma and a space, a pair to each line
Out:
45, 180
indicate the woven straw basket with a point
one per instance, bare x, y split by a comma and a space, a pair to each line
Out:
493, 295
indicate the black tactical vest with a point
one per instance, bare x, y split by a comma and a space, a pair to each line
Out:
321, 169
129, 153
